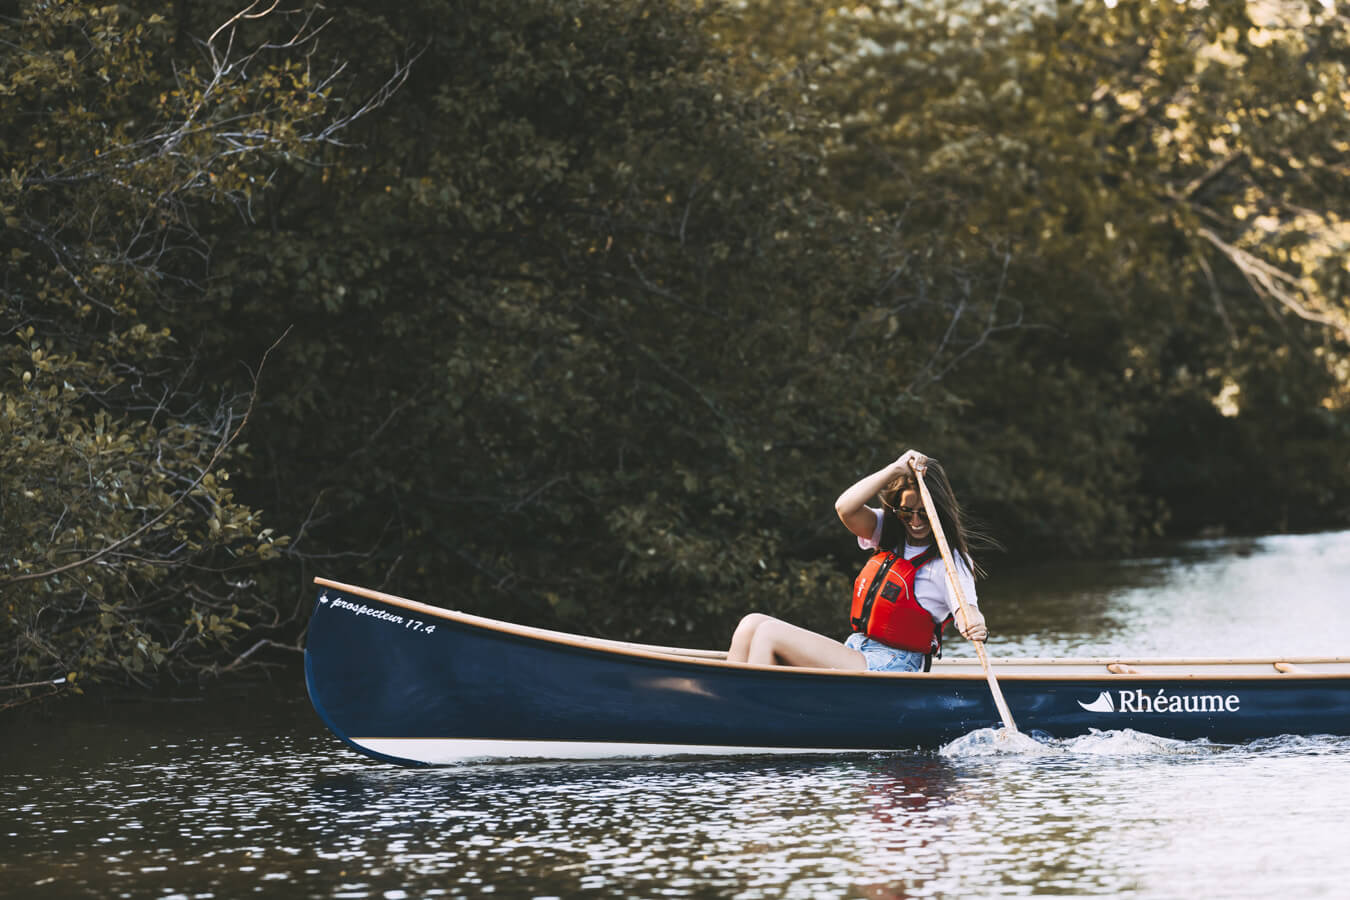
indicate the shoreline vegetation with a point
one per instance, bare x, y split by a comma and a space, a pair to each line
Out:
574, 313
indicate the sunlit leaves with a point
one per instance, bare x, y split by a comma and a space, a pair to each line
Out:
1185, 160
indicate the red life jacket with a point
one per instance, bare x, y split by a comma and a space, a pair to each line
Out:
885, 608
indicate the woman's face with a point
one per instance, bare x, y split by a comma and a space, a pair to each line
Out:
914, 517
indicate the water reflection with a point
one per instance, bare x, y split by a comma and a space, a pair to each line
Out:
1275, 596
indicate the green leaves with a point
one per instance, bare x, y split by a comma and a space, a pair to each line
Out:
115, 513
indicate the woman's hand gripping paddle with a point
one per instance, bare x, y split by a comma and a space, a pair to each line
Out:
954, 587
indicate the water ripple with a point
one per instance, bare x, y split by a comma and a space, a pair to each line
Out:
298, 816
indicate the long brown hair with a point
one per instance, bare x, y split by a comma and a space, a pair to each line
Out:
959, 535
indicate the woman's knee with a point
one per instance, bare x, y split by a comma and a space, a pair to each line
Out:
752, 621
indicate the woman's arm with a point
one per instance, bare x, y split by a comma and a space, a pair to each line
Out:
975, 628
852, 503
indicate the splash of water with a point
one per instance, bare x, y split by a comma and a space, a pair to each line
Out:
1121, 742
996, 742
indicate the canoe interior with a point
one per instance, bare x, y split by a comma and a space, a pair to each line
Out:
1015, 669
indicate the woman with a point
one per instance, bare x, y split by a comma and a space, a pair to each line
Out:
898, 531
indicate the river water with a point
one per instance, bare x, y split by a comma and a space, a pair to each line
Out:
246, 795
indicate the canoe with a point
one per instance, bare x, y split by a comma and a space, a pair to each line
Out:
415, 684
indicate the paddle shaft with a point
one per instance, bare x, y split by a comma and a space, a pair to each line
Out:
954, 587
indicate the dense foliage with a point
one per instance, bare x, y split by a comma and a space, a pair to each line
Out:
124, 546
582, 313
1168, 182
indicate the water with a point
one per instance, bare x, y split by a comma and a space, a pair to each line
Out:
248, 796
1276, 596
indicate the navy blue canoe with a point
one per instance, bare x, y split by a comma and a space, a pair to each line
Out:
410, 683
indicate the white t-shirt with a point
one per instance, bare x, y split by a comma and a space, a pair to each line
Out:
930, 582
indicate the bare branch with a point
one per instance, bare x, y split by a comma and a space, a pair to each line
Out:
1217, 297
265, 642
1214, 172
1271, 282
226, 441
930, 373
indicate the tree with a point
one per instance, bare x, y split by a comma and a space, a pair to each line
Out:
1165, 180
590, 322
568, 327
124, 547
575, 326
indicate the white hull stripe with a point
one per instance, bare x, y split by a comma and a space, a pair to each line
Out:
444, 751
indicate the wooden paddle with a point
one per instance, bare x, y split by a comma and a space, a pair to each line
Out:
954, 586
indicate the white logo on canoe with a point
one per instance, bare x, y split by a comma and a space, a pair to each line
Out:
1141, 701
1103, 703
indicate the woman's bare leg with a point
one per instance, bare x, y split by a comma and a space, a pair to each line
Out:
767, 641
744, 634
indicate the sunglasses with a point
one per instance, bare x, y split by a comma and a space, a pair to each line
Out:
907, 512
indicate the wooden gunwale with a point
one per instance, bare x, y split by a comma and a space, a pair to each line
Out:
1113, 668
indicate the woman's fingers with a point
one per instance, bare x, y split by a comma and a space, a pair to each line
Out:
975, 629
912, 459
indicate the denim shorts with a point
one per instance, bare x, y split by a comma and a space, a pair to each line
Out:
883, 657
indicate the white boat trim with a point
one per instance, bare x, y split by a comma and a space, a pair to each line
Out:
448, 751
